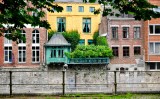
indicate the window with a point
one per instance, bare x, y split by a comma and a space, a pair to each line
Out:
115, 32
92, 9
154, 29
7, 41
154, 47
122, 70
60, 53
8, 54
35, 54
90, 42
115, 51
125, 32
82, 42
137, 50
21, 54
154, 66
81, 9
61, 24
86, 25
53, 53
23, 35
35, 13
125, 51
57, 53
69, 8
35, 36
136, 32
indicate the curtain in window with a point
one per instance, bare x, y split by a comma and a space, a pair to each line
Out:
157, 48
151, 48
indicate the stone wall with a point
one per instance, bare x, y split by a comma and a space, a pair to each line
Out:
79, 79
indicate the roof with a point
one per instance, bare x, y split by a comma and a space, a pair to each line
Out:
57, 40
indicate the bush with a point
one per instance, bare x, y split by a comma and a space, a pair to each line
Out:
72, 37
90, 51
95, 35
102, 41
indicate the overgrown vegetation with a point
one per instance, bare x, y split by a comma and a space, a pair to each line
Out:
99, 40
90, 51
72, 37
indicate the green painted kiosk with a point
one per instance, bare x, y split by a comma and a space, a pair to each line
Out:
55, 49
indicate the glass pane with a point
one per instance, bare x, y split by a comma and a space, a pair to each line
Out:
157, 48
157, 29
151, 48
151, 29
152, 65
158, 65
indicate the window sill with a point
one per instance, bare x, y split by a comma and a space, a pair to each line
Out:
21, 62
157, 54
125, 56
125, 38
154, 34
8, 62
114, 39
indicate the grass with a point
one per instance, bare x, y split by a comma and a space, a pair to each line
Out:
87, 96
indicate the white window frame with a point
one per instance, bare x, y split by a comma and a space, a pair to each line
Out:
35, 37
155, 67
153, 29
137, 32
7, 42
8, 51
154, 49
35, 51
116, 32
127, 32
22, 54
21, 41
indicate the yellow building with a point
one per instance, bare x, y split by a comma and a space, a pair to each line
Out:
76, 16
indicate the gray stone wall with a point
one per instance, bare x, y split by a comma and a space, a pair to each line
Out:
79, 79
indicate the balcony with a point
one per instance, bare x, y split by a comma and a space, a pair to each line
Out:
88, 61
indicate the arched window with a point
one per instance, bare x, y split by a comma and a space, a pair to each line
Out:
24, 36
7, 41
35, 36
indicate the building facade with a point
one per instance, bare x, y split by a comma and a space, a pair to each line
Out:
125, 37
24, 54
76, 16
152, 40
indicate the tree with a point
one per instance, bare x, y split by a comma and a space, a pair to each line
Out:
16, 13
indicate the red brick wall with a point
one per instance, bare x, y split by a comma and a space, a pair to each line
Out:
151, 38
131, 42
43, 34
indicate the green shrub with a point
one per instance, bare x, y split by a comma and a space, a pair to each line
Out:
72, 37
95, 35
90, 51
102, 41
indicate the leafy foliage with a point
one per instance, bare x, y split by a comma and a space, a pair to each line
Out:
90, 51
16, 13
95, 35
141, 9
101, 40
50, 33
72, 37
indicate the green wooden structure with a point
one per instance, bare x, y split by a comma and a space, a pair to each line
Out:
55, 49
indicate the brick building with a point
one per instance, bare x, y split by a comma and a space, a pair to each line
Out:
125, 37
28, 54
152, 41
